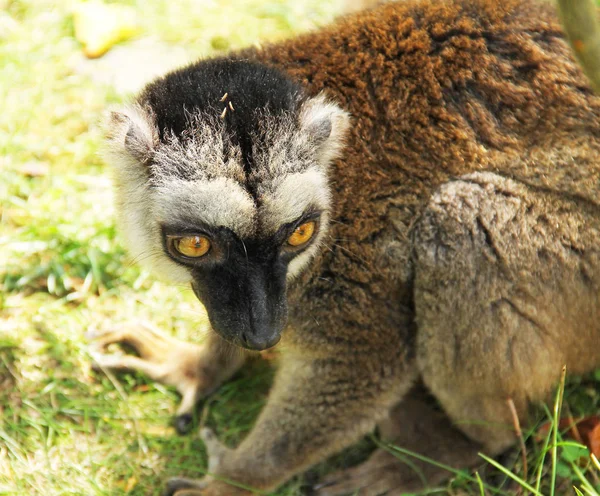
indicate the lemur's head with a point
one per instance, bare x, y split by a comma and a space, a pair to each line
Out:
221, 181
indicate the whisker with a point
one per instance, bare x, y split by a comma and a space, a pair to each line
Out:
334, 221
352, 254
144, 255
245, 250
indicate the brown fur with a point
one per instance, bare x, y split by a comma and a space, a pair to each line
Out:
464, 245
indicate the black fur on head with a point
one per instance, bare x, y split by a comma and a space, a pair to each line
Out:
240, 92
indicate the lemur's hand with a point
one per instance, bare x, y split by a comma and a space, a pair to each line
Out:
195, 370
208, 486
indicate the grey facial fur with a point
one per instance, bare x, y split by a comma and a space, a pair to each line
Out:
132, 139
198, 177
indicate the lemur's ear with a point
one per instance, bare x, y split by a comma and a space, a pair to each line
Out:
131, 133
326, 125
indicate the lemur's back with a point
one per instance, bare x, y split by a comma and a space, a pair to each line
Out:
438, 90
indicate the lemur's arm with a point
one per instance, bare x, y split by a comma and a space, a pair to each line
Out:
315, 409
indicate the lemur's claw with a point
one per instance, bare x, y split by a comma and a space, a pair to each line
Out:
184, 423
180, 486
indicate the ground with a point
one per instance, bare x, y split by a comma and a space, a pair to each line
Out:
65, 429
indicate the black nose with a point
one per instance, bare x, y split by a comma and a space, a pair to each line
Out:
258, 342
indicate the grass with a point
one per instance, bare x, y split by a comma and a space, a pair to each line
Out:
569, 461
63, 428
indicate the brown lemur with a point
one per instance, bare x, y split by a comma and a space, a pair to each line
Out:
408, 195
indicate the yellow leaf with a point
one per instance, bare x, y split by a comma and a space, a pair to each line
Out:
99, 26
131, 483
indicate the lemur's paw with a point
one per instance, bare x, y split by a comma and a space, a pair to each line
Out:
150, 344
209, 485
180, 486
375, 477
216, 450
182, 365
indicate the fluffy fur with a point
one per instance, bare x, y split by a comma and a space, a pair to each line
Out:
462, 249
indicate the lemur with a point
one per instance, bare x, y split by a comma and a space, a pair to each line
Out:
408, 197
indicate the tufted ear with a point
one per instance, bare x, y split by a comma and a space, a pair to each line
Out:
326, 125
131, 134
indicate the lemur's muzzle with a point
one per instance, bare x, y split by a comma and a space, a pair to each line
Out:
248, 309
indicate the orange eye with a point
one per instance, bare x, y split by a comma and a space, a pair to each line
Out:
192, 246
302, 234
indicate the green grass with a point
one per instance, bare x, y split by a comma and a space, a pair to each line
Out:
63, 428
555, 465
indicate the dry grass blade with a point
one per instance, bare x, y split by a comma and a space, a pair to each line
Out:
519, 433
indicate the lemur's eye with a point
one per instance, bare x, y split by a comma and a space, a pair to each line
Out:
302, 234
192, 246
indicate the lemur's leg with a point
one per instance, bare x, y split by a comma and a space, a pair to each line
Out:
195, 370
316, 408
417, 427
507, 291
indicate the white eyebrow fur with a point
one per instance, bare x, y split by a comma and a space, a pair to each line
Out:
287, 198
218, 202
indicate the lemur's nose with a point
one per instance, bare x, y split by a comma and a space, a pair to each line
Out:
261, 340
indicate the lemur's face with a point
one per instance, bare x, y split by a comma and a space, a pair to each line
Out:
236, 216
